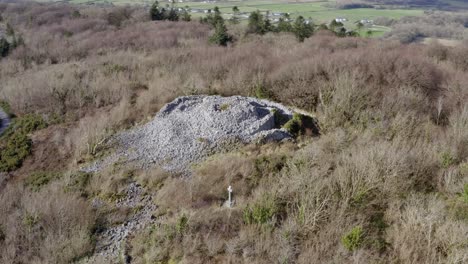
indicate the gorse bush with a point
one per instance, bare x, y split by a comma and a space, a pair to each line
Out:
261, 92
182, 224
353, 239
465, 193
294, 126
263, 211
15, 149
299, 124
30, 221
447, 160
40, 178
15, 144
26, 124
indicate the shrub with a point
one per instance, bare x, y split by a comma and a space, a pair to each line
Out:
40, 178
464, 168
465, 193
13, 153
353, 239
360, 198
78, 182
256, 23
299, 124
16, 144
447, 160
459, 209
47, 226
294, 125
268, 164
261, 212
280, 119
261, 92
30, 221
224, 107
26, 124
220, 36
182, 224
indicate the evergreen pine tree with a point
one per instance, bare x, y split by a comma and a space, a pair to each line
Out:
235, 15
185, 15
217, 18
213, 17
220, 36
173, 15
155, 13
284, 25
341, 32
302, 29
267, 26
256, 23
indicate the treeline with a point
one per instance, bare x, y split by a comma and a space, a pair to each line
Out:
170, 12
259, 23
432, 25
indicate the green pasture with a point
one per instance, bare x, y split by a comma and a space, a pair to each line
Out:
320, 11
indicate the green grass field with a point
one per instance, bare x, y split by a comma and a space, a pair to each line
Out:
320, 11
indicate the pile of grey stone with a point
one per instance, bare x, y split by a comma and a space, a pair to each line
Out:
190, 128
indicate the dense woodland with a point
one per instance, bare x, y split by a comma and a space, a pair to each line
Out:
385, 182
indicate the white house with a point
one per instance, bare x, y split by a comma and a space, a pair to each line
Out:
366, 21
341, 19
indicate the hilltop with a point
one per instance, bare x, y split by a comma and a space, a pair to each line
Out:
346, 148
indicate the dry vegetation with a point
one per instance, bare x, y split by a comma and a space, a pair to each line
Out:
387, 180
443, 25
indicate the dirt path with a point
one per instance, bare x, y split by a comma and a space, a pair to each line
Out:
112, 242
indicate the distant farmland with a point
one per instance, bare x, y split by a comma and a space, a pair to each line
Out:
322, 11
318, 11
